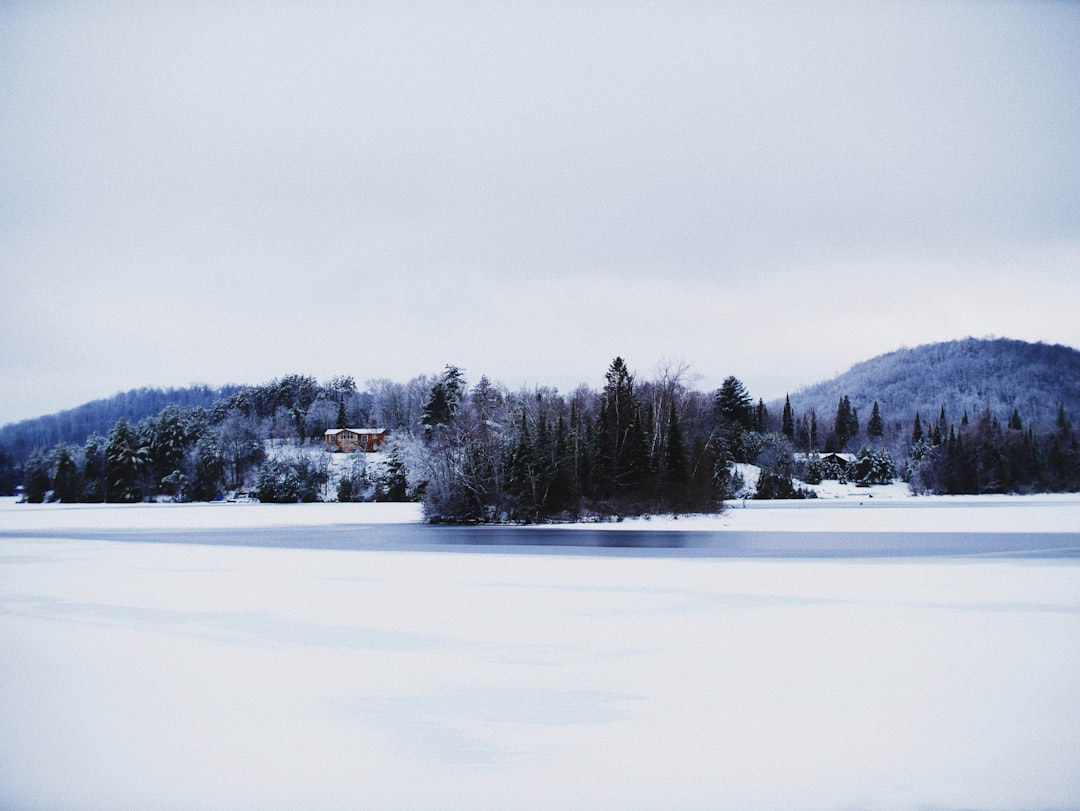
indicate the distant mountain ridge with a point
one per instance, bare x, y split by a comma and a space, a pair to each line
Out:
969, 375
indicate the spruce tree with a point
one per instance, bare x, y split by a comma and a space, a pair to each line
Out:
93, 477
846, 425
66, 482
443, 401
916, 430
788, 422
36, 478
1014, 421
734, 405
123, 459
209, 469
621, 439
875, 427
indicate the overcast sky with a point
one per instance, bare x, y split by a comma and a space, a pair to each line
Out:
229, 192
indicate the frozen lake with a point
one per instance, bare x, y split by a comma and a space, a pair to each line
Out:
266, 663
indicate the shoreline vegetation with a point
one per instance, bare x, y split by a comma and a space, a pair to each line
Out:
476, 453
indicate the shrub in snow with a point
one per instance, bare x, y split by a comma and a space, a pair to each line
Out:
356, 484
777, 485
391, 483
727, 479
873, 467
286, 480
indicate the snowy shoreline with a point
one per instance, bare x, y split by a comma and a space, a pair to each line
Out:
874, 510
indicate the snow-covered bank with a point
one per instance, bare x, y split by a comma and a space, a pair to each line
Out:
176, 676
1011, 514
864, 510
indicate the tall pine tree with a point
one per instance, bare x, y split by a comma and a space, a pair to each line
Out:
788, 420
846, 425
734, 405
875, 427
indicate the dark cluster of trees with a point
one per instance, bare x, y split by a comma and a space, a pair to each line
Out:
180, 452
984, 456
488, 456
633, 447
974, 456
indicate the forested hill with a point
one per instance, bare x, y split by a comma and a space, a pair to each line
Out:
98, 417
969, 375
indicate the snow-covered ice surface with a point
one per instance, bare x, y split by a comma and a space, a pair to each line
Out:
199, 515
178, 676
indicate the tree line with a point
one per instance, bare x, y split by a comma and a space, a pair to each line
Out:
485, 455
193, 452
480, 453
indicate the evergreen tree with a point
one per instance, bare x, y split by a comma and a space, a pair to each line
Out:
9, 474
733, 404
875, 428
846, 425
788, 420
165, 438
444, 399
394, 485
873, 467
66, 482
208, 468
621, 451
761, 417
124, 458
1014, 421
916, 431
36, 478
342, 420
93, 477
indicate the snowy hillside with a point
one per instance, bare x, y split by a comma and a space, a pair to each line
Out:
961, 376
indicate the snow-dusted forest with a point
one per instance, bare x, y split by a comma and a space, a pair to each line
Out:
473, 451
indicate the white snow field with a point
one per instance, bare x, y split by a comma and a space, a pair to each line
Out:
139, 675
